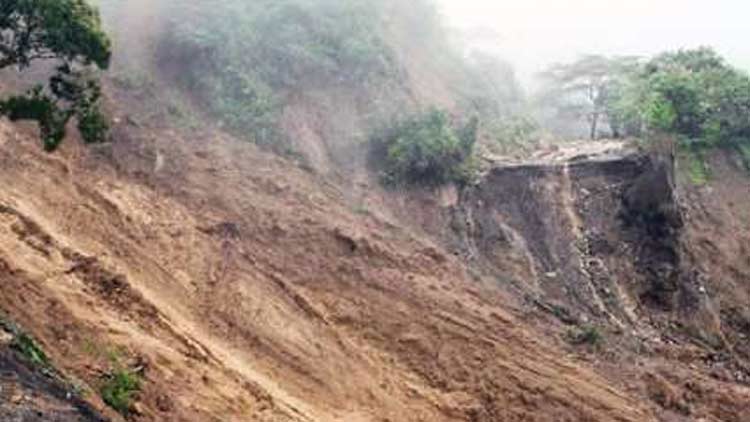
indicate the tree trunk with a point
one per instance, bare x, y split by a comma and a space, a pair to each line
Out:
594, 124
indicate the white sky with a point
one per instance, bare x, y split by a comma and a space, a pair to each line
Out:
534, 33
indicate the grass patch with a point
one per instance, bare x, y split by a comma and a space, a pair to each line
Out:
25, 345
30, 350
695, 167
588, 335
120, 385
120, 388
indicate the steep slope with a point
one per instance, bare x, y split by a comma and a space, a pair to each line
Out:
602, 239
247, 291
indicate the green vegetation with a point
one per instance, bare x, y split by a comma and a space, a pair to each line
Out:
30, 350
69, 32
119, 389
242, 58
589, 89
745, 155
247, 62
425, 149
511, 133
697, 98
121, 384
588, 335
695, 166
25, 345
694, 96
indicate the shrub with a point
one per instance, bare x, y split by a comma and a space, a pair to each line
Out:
512, 133
24, 344
426, 149
119, 389
93, 126
587, 335
695, 165
30, 350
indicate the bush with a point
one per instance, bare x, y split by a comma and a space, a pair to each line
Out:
93, 126
119, 389
695, 166
30, 350
426, 149
588, 335
511, 133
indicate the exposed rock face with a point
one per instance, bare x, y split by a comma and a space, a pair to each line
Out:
599, 236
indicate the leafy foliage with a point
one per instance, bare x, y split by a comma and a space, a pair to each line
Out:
30, 350
119, 390
512, 132
587, 335
25, 345
242, 58
68, 31
695, 95
426, 149
589, 89
695, 167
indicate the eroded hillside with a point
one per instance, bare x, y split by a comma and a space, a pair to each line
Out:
257, 295
245, 288
238, 253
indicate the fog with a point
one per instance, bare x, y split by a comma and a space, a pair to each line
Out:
534, 33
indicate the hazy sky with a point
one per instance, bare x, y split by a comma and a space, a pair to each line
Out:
533, 33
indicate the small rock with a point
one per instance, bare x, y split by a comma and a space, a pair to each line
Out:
5, 338
137, 408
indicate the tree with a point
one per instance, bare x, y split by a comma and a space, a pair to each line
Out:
697, 96
587, 89
67, 33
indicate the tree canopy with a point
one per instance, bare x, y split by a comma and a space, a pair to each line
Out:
697, 96
693, 95
69, 34
588, 88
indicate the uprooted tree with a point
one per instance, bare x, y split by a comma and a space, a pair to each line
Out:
67, 34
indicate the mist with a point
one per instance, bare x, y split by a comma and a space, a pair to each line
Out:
536, 33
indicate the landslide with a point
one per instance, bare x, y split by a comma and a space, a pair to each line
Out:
246, 289
614, 247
